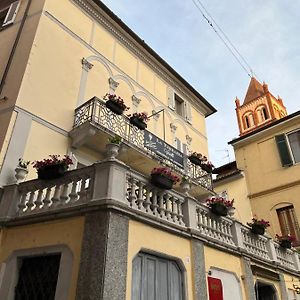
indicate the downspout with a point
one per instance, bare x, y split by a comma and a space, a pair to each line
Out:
13, 50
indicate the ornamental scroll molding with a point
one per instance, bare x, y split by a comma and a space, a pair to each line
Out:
136, 49
113, 84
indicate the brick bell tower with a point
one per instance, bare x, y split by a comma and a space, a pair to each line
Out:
259, 108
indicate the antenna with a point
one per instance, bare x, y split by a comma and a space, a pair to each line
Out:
227, 154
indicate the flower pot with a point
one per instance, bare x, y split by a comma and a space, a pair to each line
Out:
114, 107
20, 174
52, 172
161, 181
258, 229
286, 244
112, 150
195, 160
138, 123
219, 209
206, 168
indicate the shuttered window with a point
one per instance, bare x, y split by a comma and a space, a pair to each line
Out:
156, 278
289, 223
294, 141
283, 150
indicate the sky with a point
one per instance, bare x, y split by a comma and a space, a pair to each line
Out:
265, 32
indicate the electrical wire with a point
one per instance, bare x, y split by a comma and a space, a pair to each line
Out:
225, 39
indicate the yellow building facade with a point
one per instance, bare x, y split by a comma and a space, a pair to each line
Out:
103, 230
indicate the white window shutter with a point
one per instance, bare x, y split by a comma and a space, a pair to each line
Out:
178, 144
171, 98
184, 148
11, 14
188, 112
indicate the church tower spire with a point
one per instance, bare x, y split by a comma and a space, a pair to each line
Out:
259, 108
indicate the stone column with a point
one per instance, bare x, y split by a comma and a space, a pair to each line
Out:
248, 279
198, 267
103, 265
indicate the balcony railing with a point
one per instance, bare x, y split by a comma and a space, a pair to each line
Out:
98, 115
134, 195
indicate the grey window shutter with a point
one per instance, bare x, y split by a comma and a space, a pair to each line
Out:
171, 98
11, 14
284, 153
178, 144
184, 148
188, 112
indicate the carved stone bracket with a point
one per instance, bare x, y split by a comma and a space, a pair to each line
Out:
86, 65
173, 127
135, 101
188, 139
112, 84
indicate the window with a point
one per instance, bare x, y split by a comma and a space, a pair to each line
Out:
180, 146
289, 148
37, 278
294, 141
8, 12
179, 106
156, 278
288, 222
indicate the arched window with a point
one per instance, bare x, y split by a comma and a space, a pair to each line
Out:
247, 122
154, 277
264, 114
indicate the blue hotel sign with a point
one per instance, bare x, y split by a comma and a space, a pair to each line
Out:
161, 148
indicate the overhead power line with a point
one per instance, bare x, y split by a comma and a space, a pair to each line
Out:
224, 38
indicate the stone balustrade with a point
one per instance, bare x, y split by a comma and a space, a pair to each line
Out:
112, 183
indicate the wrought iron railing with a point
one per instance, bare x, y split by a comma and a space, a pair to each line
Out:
95, 112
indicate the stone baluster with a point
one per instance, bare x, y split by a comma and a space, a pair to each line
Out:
147, 203
39, 199
47, 200
179, 209
132, 197
22, 204
56, 197
154, 205
161, 208
168, 206
73, 194
10, 202
272, 251
174, 209
140, 199
64, 195
30, 203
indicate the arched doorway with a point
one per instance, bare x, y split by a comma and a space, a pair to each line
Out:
155, 277
265, 291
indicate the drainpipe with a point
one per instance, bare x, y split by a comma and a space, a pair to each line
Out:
13, 50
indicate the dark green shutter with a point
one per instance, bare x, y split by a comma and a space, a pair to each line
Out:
284, 153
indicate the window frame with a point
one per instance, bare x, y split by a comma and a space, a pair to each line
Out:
10, 270
289, 145
6, 22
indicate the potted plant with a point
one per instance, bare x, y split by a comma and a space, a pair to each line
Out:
285, 241
53, 167
258, 226
115, 104
113, 146
21, 170
163, 178
219, 205
139, 120
202, 161
196, 158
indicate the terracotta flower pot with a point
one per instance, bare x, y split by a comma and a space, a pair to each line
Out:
219, 209
161, 181
195, 160
114, 107
286, 244
52, 172
258, 229
138, 123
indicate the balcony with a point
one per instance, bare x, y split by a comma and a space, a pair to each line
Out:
89, 188
94, 123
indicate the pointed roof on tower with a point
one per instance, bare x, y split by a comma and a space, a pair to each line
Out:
255, 90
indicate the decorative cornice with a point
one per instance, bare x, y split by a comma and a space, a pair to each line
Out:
140, 53
86, 65
112, 84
